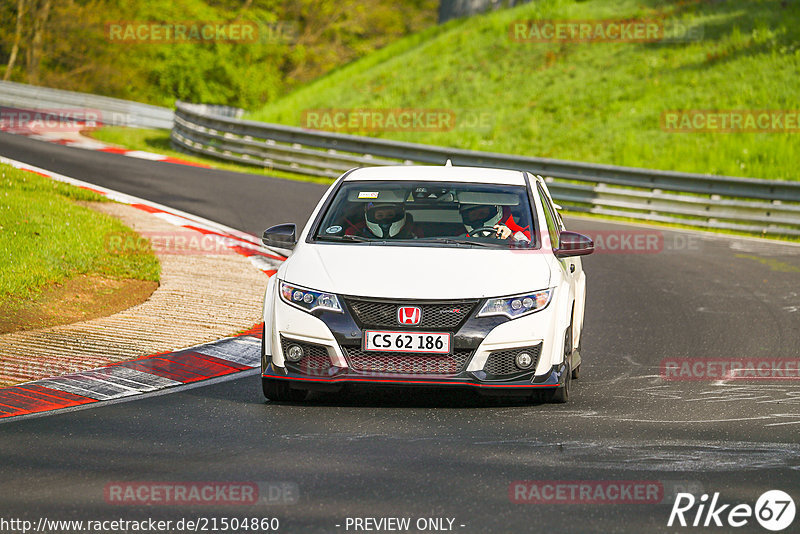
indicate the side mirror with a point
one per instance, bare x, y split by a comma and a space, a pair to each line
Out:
573, 244
280, 236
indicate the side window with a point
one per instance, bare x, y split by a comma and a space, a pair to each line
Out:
549, 200
550, 217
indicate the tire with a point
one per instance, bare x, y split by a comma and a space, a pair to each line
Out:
568, 343
576, 373
279, 391
560, 395
263, 344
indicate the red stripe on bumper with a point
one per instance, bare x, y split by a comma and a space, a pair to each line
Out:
397, 381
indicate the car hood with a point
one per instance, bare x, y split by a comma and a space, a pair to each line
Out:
417, 272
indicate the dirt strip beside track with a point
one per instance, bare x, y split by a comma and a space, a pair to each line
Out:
202, 296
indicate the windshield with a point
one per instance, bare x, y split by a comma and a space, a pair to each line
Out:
441, 213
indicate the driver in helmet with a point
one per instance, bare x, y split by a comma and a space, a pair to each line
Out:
490, 217
386, 220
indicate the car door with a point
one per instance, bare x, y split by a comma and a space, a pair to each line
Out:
573, 266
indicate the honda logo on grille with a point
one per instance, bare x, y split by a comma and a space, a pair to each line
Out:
409, 315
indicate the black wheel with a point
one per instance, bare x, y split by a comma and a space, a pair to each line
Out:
576, 373
560, 395
279, 391
568, 343
263, 344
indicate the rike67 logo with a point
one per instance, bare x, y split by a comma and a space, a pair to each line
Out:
774, 510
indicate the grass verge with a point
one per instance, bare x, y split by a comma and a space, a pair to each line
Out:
48, 236
594, 102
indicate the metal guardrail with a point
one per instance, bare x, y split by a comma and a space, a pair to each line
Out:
112, 111
721, 202
452, 9
707, 201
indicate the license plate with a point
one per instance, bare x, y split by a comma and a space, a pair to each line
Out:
432, 342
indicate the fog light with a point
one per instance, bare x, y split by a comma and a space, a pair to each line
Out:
523, 360
295, 353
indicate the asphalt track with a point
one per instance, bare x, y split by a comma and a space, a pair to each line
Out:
401, 453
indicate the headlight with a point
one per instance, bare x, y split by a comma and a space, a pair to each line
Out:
308, 299
518, 305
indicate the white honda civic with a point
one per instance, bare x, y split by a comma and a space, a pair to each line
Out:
424, 276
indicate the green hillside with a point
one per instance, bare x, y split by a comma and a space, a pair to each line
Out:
598, 102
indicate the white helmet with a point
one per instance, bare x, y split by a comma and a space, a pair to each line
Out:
480, 215
385, 220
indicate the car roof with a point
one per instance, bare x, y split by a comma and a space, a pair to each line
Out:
482, 175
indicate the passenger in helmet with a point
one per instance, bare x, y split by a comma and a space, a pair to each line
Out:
491, 217
385, 221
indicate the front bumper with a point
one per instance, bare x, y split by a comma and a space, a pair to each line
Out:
331, 341
342, 376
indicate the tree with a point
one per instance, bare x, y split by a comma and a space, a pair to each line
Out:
40, 11
29, 34
12, 59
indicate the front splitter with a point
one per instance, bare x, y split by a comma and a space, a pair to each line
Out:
344, 376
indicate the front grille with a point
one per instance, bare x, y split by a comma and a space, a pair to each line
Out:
501, 363
437, 315
315, 362
406, 363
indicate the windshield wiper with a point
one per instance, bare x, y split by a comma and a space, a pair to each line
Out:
454, 241
445, 240
346, 237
